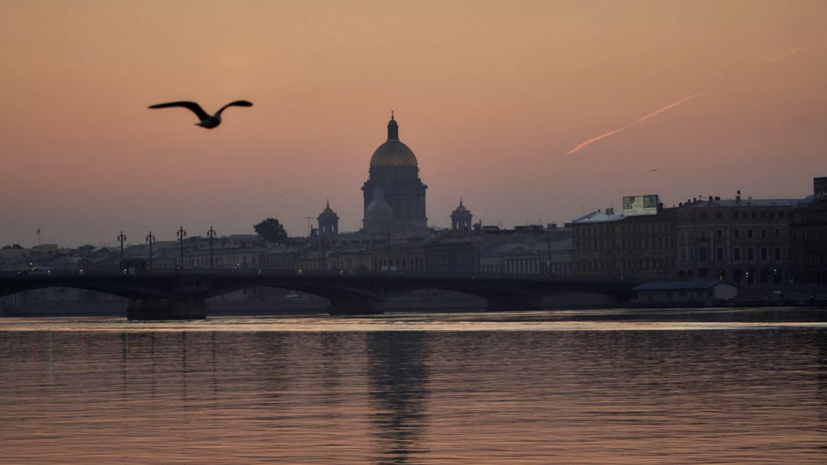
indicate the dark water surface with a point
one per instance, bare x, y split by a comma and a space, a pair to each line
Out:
246, 391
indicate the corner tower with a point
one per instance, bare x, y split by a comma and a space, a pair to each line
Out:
394, 168
328, 223
461, 218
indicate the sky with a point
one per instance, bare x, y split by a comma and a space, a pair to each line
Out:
491, 96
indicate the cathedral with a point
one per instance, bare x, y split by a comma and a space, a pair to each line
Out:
394, 181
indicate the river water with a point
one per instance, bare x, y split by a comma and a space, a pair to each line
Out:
427, 389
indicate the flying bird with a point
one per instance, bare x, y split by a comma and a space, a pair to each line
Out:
207, 121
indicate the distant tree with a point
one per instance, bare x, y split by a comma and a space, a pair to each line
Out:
86, 248
6, 247
16, 246
271, 231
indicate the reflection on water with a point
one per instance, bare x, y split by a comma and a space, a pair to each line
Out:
399, 389
415, 397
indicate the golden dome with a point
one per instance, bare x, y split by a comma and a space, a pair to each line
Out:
328, 210
393, 152
461, 207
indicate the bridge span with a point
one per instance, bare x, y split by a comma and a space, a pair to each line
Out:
182, 294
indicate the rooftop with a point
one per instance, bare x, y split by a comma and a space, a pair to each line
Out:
599, 217
733, 203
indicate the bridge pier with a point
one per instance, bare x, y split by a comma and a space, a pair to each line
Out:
513, 304
167, 309
356, 307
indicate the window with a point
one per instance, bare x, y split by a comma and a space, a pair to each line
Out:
763, 253
735, 215
763, 214
736, 254
781, 214
778, 253
749, 232
754, 215
720, 253
703, 215
720, 233
750, 254
772, 214
736, 233
777, 232
719, 215
763, 233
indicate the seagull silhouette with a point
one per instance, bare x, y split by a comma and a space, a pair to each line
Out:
207, 121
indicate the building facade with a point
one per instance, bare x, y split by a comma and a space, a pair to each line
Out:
808, 234
737, 241
607, 243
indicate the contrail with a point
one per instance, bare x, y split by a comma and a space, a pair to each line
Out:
783, 55
630, 125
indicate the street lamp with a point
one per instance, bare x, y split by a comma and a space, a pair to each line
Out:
150, 239
181, 235
211, 234
121, 238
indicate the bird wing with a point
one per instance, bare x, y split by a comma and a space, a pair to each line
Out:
192, 106
237, 103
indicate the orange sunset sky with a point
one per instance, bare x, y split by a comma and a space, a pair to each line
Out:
488, 95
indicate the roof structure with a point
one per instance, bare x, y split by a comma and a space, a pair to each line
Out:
734, 203
599, 217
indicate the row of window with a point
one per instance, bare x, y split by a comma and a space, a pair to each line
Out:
654, 264
765, 275
819, 236
219, 262
623, 229
641, 243
810, 217
736, 254
403, 264
736, 233
746, 215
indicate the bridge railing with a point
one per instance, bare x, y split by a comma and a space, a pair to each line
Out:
308, 273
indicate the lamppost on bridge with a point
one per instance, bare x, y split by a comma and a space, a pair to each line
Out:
181, 235
150, 239
211, 234
121, 238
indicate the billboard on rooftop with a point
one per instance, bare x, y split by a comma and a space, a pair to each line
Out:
640, 205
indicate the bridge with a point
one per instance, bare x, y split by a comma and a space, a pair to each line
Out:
182, 294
